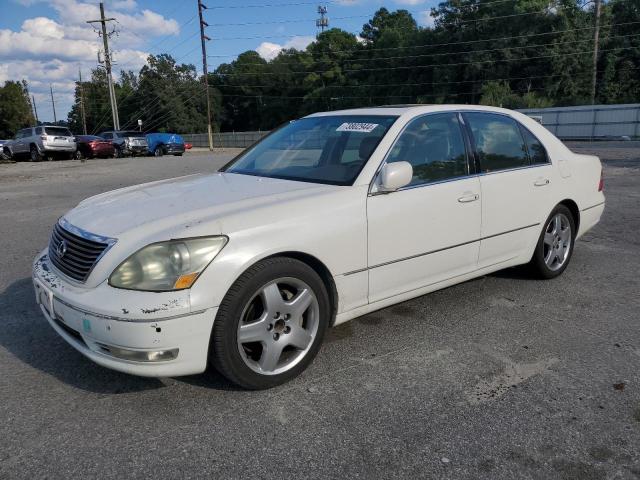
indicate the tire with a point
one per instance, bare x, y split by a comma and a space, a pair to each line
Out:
158, 152
34, 154
555, 246
118, 153
292, 335
78, 155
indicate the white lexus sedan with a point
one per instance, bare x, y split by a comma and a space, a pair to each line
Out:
328, 218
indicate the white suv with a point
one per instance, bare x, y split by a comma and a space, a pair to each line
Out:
41, 142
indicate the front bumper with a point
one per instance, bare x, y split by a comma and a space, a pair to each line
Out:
170, 345
137, 149
174, 148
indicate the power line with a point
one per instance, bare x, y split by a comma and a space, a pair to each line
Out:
454, 24
448, 54
406, 67
429, 45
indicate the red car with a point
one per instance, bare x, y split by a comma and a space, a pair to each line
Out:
90, 146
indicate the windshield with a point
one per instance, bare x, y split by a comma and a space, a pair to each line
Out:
331, 149
60, 131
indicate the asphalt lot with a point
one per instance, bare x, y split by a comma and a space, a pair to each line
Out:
501, 377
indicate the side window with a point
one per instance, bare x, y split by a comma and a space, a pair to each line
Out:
434, 146
498, 140
537, 152
39, 130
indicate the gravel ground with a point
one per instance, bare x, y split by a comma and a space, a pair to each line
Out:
501, 377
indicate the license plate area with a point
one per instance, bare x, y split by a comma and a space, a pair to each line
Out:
44, 297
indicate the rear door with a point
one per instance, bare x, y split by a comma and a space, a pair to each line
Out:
515, 186
20, 146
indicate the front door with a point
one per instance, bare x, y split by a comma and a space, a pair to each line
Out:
428, 231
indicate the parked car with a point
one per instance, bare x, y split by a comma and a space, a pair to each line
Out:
127, 142
90, 146
4, 154
331, 217
46, 141
165, 144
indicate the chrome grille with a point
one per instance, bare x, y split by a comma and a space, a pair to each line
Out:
72, 254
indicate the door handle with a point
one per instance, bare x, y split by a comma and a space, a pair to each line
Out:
469, 198
541, 182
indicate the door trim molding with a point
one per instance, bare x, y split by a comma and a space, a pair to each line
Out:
411, 257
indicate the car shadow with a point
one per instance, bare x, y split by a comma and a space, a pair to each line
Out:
27, 336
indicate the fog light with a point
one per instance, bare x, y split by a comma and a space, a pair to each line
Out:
139, 355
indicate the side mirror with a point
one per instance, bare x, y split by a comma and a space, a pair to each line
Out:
395, 175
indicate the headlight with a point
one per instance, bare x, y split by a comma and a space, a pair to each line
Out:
165, 266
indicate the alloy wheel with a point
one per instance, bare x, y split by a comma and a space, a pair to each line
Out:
278, 326
557, 242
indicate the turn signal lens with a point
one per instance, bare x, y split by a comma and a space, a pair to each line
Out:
185, 281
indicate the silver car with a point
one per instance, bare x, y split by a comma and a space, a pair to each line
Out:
37, 143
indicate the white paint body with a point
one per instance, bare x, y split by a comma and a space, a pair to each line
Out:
379, 249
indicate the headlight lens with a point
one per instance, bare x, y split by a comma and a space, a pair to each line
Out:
165, 266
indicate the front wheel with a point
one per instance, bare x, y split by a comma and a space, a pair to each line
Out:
271, 323
555, 245
158, 152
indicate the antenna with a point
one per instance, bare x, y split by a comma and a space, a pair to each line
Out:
323, 21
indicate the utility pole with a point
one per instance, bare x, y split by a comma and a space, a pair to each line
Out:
53, 104
596, 41
35, 110
107, 63
205, 76
323, 21
82, 114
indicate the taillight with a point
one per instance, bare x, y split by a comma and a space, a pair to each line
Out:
43, 137
601, 183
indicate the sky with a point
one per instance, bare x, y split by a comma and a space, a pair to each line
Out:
48, 42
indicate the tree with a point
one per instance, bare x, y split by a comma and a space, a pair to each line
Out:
15, 108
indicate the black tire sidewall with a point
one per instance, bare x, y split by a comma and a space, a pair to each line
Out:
34, 157
223, 349
537, 262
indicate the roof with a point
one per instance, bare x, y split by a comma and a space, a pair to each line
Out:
403, 109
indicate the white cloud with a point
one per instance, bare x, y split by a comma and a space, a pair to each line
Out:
425, 19
51, 50
268, 50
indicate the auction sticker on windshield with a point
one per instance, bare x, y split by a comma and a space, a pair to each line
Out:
357, 127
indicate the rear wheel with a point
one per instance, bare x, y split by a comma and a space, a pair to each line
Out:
271, 323
555, 245
159, 151
34, 154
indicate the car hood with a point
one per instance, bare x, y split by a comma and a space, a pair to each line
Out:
194, 203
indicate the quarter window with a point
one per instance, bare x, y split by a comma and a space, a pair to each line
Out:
434, 146
498, 141
537, 152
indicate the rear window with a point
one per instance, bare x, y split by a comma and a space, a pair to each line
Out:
89, 138
57, 131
